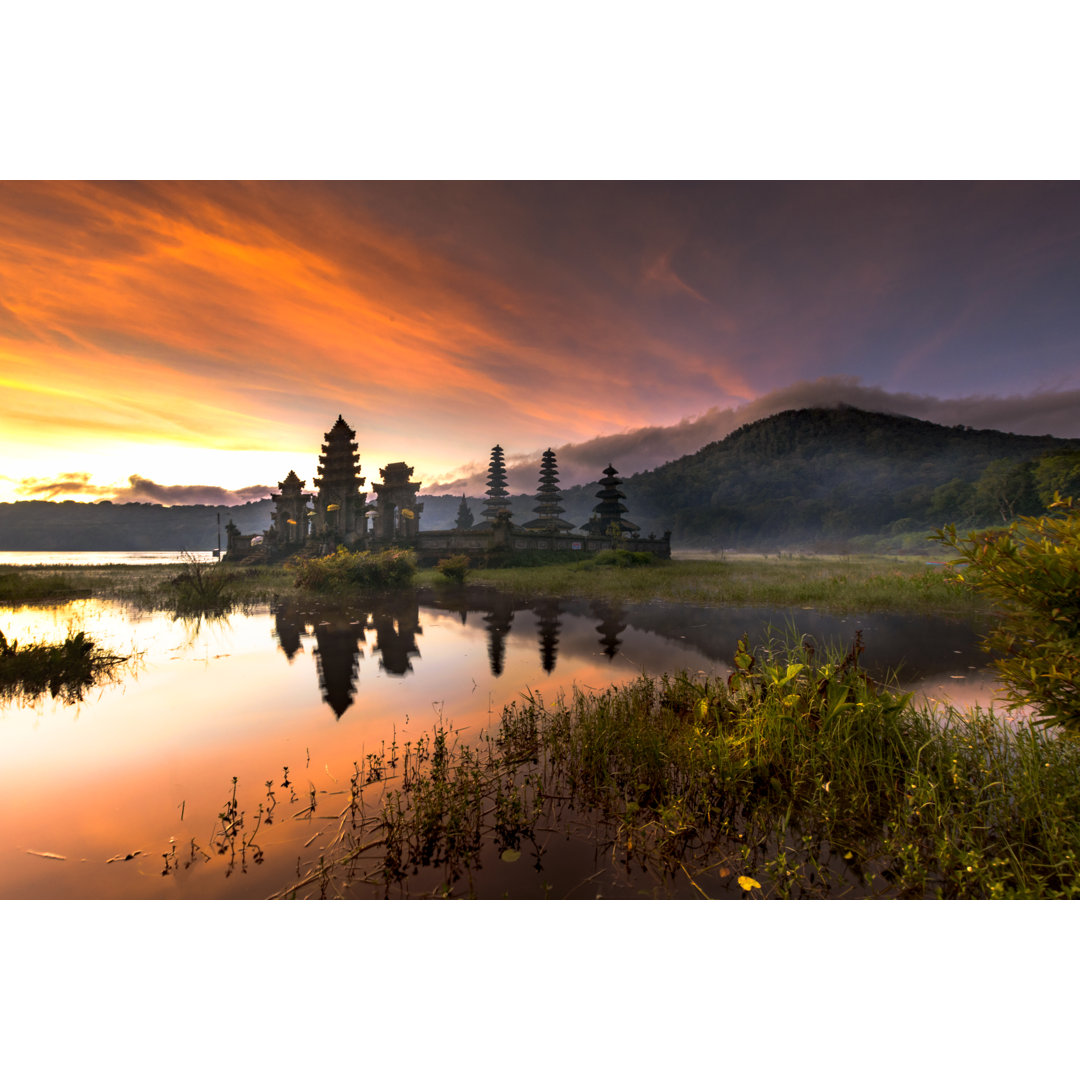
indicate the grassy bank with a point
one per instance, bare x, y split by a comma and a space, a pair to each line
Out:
150, 587
835, 583
798, 778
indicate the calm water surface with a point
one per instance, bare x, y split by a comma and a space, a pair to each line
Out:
142, 768
98, 558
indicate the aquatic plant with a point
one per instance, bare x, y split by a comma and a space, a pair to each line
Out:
64, 670
201, 587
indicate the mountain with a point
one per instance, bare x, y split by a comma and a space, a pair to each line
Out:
811, 475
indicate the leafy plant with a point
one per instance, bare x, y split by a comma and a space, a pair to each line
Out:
346, 569
455, 568
1031, 570
619, 557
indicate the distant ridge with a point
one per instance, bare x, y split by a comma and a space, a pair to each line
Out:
808, 477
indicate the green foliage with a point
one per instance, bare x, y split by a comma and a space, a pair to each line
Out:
1031, 569
1057, 476
619, 557
1006, 489
389, 569
455, 568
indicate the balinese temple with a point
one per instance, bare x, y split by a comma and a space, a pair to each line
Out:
607, 519
398, 512
547, 510
497, 502
339, 504
290, 520
337, 513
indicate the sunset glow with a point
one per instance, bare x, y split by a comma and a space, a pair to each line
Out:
208, 334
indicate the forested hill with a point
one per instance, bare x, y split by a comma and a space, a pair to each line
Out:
72, 526
811, 475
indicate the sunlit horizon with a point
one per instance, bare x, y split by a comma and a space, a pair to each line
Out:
171, 335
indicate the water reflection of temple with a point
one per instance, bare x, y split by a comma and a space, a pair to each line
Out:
566, 631
337, 655
339, 633
612, 624
396, 623
547, 617
287, 629
498, 621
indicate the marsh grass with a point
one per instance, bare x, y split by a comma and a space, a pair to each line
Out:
201, 588
796, 776
835, 583
831, 583
23, 588
65, 670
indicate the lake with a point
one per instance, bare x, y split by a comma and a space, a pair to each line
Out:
99, 797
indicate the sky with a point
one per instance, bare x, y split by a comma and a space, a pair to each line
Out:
193, 341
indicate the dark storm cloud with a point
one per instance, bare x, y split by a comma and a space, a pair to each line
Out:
143, 490
138, 489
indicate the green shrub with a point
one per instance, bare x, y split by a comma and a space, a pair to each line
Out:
1031, 570
455, 568
620, 557
346, 569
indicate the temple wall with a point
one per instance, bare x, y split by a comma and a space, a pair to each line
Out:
439, 544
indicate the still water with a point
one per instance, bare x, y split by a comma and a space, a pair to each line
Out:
99, 796
99, 558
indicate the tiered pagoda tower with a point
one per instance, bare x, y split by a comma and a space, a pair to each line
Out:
607, 519
290, 511
497, 501
398, 516
548, 498
464, 520
339, 503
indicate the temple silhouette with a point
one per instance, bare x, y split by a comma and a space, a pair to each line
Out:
336, 512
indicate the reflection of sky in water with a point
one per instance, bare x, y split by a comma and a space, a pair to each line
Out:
220, 698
